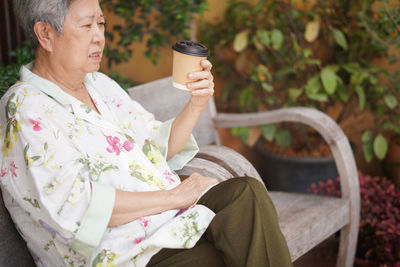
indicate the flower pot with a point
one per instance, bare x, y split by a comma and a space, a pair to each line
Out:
391, 164
295, 174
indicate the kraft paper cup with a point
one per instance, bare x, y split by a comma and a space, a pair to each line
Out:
187, 56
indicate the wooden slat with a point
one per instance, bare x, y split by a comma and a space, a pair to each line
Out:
307, 219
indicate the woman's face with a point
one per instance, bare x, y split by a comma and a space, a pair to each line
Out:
80, 47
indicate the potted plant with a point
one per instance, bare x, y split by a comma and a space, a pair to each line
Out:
379, 235
275, 54
391, 163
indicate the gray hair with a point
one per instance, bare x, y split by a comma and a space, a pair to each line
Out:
28, 12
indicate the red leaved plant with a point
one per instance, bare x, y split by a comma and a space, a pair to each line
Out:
379, 235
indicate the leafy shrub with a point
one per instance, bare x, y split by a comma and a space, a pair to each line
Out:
321, 54
379, 235
9, 74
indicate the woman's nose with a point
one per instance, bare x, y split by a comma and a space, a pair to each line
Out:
98, 35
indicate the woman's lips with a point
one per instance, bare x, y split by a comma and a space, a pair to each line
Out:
95, 56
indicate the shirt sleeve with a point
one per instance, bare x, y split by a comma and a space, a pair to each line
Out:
160, 132
49, 182
178, 161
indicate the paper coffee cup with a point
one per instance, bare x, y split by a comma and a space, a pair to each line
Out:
186, 58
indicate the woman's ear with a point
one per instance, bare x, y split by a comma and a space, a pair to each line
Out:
45, 35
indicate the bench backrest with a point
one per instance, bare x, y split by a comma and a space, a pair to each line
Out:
165, 102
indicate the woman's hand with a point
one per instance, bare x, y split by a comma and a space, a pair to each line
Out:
190, 189
202, 86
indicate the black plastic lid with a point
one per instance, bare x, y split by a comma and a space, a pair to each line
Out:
191, 48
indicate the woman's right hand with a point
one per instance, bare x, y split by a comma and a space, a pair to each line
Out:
188, 192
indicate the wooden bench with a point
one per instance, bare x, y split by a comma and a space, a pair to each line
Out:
305, 219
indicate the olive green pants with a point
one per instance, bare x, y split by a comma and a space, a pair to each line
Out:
244, 231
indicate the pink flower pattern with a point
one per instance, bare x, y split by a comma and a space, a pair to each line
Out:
13, 169
128, 145
168, 176
144, 221
115, 146
138, 240
3, 172
36, 124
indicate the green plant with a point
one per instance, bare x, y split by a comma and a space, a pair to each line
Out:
9, 73
155, 21
275, 54
379, 235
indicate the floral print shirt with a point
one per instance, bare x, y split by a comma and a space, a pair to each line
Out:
61, 163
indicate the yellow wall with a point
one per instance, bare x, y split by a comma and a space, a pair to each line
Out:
140, 70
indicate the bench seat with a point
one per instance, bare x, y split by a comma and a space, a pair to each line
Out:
306, 220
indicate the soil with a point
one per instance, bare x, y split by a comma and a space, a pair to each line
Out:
396, 140
313, 146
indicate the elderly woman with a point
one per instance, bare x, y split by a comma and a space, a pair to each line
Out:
87, 173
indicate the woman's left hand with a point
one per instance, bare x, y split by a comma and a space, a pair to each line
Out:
202, 86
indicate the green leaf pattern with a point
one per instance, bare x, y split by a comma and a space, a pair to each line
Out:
13, 125
33, 201
74, 259
97, 165
107, 255
187, 229
75, 128
152, 152
140, 172
42, 159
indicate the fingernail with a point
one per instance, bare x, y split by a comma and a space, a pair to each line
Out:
190, 75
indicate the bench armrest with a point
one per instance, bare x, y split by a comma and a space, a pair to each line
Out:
229, 159
206, 168
328, 129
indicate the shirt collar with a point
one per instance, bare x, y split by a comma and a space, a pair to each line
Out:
64, 98
46, 86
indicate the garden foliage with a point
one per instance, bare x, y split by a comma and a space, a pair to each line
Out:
379, 235
321, 54
155, 21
